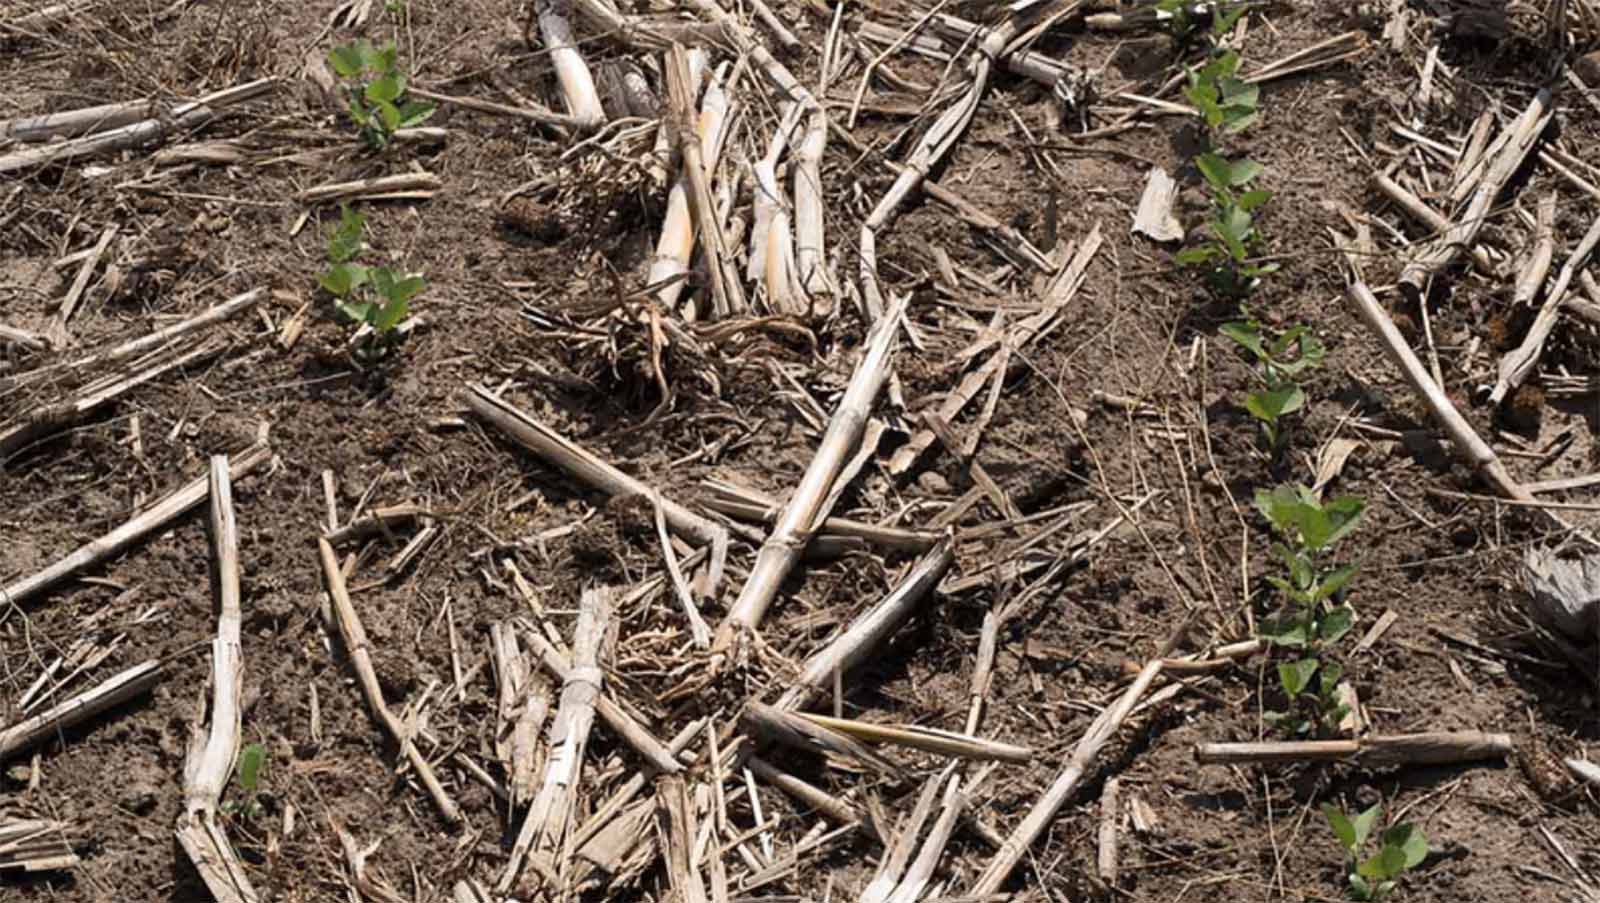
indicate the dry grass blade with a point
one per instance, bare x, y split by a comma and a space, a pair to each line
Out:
1437, 748
141, 525
356, 646
1044, 811
944, 743
806, 509
35, 845
49, 724
182, 117
212, 755
545, 838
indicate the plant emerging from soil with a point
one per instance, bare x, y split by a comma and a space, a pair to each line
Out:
1312, 620
374, 298
1278, 359
1225, 258
248, 775
375, 91
1400, 848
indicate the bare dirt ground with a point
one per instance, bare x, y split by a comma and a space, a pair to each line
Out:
1119, 435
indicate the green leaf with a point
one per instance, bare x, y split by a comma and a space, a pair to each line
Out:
251, 758
1335, 580
1342, 828
1295, 676
383, 60
357, 311
1240, 172
1251, 200
359, 114
1359, 888
386, 89
346, 60
1364, 822
1285, 631
1328, 678
390, 316
414, 113
1409, 840
389, 114
342, 279
1215, 169
1193, 256
1389, 863
1245, 335
1335, 624
1271, 404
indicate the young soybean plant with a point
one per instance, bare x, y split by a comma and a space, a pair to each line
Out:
1400, 848
1278, 361
375, 90
372, 297
1311, 620
1225, 258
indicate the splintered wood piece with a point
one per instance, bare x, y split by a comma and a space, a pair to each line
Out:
35, 845
676, 828
867, 634
141, 525
1418, 210
522, 709
921, 870
400, 185
1435, 748
69, 305
183, 117
1110, 829
810, 795
545, 838
1044, 811
944, 743
1466, 442
212, 754
356, 646
50, 723
797, 731
1518, 140
586, 466
806, 510
1519, 362
754, 506
1154, 217
49, 419
698, 167
76, 123
630, 731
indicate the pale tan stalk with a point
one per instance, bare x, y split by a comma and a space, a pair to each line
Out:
577, 83
805, 510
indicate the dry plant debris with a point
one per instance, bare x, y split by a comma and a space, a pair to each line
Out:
892, 451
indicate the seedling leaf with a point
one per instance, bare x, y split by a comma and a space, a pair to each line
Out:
251, 758
1296, 676
1342, 828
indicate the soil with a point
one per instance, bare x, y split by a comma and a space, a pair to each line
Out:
522, 296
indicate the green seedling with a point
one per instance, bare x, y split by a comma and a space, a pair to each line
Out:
375, 91
1400, 849
1225, 259
1182, 18
1279, 359
1226, 103
373, 297
248, 775
1311, 621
